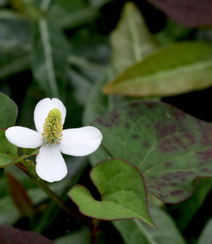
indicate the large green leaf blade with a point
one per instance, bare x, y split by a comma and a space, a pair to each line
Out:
122, 189
131, 40
174, 69
49, 57
134, 231
170, 147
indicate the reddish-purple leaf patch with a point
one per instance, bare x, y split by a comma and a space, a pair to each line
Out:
10, 235
192, 13
170, 147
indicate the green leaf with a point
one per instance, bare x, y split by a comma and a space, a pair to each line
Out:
174, 69
206, 235
122, 189
8, 111
170, 147
49, 66
14, 46
131, 40
134, 231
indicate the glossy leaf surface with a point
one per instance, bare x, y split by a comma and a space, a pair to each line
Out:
171, 70
170, 147
122, 189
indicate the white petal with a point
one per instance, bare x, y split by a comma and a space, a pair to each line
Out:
50, 164
24, 137
80, 142
42, 109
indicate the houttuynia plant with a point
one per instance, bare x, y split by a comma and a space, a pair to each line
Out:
105, 122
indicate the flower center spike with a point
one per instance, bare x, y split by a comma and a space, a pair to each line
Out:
53, 127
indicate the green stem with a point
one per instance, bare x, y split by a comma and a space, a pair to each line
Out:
29, 168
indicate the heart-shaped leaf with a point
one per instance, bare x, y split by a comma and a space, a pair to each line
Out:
170, 147
174, 69
8, 111
122, 189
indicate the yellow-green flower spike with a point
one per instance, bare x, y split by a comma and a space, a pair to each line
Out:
53, 127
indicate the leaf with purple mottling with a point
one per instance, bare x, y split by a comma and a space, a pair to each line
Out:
170, 147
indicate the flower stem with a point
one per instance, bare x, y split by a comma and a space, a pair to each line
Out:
29, 168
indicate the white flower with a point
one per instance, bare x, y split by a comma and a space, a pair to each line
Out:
49, 117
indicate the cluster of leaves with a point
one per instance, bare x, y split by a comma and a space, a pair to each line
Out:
102, 66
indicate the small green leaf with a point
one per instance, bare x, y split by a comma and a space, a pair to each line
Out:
122, 189
8, 111
174, 69
134, 231
131, 40
170, 147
